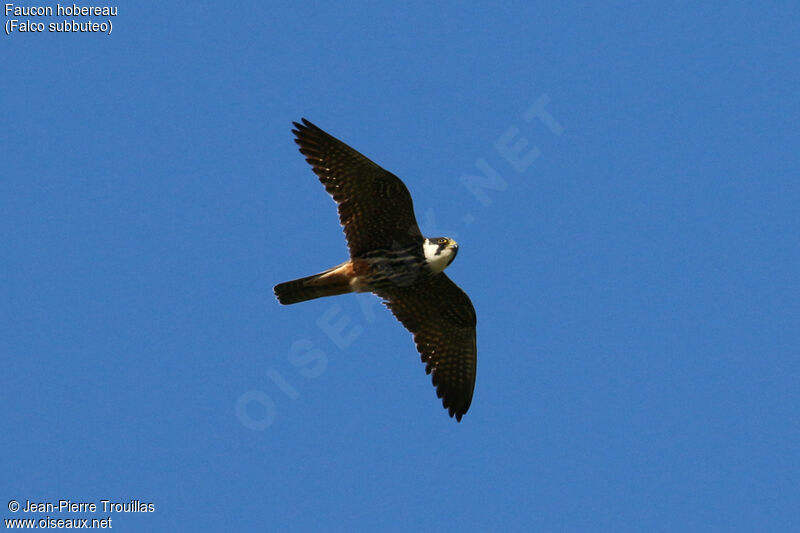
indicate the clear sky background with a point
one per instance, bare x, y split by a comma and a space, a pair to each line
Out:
634, 269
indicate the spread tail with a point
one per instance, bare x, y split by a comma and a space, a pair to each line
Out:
332, 282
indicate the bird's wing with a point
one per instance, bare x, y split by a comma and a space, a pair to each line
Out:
442, 319
375, 207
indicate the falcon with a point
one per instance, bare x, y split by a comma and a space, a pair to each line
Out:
390, 257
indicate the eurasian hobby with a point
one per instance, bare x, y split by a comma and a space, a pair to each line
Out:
390, 257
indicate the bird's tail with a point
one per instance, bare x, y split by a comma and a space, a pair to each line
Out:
332, 282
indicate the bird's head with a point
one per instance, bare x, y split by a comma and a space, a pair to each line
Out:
440, 252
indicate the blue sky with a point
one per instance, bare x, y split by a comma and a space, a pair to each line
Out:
635, 275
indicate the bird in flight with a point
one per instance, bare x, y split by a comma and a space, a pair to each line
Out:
390, 257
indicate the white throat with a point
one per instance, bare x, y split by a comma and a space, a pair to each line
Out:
439, 256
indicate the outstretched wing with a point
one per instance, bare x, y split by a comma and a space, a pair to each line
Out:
442, 319
375, 207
